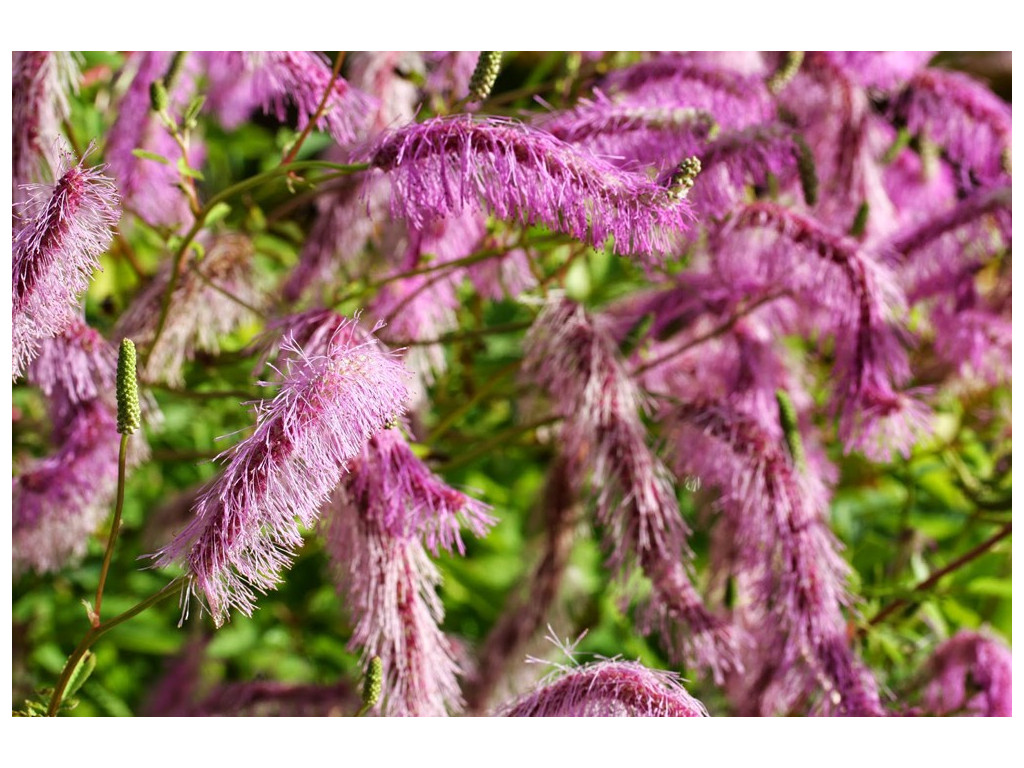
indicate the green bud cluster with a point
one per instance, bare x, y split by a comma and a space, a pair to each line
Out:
373, 684
129, 414
808, 171
684, 178
781, 77
485, 75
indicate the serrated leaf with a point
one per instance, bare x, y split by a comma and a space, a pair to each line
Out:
85, 667
146, 155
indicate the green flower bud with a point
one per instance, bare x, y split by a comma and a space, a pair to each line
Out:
485, 75
158, 98
781, 77
790, 429
808, 171
373, 684
129, 414
684, 178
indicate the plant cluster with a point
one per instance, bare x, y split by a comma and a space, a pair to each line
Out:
701, 358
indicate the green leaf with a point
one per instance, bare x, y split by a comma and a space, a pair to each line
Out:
185, 170
218, 212
84, 668
146, 155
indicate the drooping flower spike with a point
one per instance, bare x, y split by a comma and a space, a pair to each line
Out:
55, 252
971, 673
782, 552
972, 124
860, 306
40, 84
247, 522
212, 297
448, 165
574, 359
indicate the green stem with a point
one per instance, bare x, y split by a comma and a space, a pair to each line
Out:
122, 460
95, 633
444, 338
502, 439
932, 580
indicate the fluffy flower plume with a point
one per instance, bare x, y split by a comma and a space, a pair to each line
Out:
883, 70
200, 311
76, 366
965, 118
609, 689
738, 159
575, 361
59, 501
859, 305
247, 522
66, 228
277, 80
971, 673
390, 584
631, 135
733, 99
783, 552
40, 82
447, 165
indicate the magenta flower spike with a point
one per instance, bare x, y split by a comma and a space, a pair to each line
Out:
881, 70
76, 366
448, 165
40, 82
574, 359
59, 501
150, 187
965, 118
971, 674
247, 522
633, 135
733, 99
279, 80
66, 228
782, 550
859, 304
390, 584
609, 689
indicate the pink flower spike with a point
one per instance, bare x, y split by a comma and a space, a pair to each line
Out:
447, 165
971, 675
55, 252
248, 521
609, 689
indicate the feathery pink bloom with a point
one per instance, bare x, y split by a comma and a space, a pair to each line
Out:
40, 81
390, 585
738, 159
66, 228
964, 117
734, 100
971, 674
859, 304
199, 314
59, 501
75, 366
883, 70
918, 189
574, 359
277, 80
449, 73
783, 552
382, 74
247, 522
150, 187
389, 485
632, 135
448, 165
609, 689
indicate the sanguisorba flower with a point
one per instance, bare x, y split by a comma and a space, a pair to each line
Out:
248, 521
446, 165
66, 228
972, 674
609, 689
